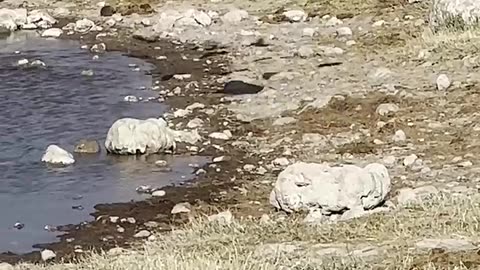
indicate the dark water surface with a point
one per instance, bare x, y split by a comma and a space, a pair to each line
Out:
58, 105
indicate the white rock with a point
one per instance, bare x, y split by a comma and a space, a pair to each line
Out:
142, 234
132, 136
296, 15
305, 51
202, 18
235, 16
6, 266
449, 245
84, 25
114, 219
41, 19
332, 189
146, 22
333, 21
389, 161
284, 121
195, 106
195, 123
344, 32
378, 23
98, 48
409, 160
408, 196
308, 32
12, 19
159, 193
37, 63
56, 155
52, 32
22, 62
181, 208
222, 218
282, 162
47, 255
399, 136
443, 82
219, 136
132, 99
463, 12
387, 109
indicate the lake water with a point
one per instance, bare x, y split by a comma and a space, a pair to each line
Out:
58, 105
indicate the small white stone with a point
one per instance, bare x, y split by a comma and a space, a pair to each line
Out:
399, 136
344, 32
195, 123
202, 18
378, 23
47, 255
142, 234
387, 109
181, 208
308, 32
159, 193
282, 162
223, 218
443, 82
305, 52
296, 15
56, 155
219, 136
114, 219
333, 21
22, 62
52, 32
389, 161
409, 160
132, 99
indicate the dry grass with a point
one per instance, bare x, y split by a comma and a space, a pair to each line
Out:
201, 245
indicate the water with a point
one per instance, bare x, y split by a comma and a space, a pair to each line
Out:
58, 105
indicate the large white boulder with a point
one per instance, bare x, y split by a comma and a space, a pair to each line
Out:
454, 13
134, 136
12, 19
56, 155
330, 189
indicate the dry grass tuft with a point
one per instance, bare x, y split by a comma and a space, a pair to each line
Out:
201, 245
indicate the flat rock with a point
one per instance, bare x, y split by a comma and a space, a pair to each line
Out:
241, 88
52, 32
235, 16
449, 245
87, 146
142, 234
47, 255
295, 15
181, 208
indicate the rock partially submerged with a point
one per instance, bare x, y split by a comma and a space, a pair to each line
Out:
87, 146
330, 189
134, 136
56, 155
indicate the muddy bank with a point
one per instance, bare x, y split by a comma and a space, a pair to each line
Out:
103, 234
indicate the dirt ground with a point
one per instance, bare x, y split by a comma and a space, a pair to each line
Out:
440, 127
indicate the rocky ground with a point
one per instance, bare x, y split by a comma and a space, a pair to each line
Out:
344, 82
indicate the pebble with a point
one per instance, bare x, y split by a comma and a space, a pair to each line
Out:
131, 220
219, 136
87, 72
223, 218
333, 21
52, 32
295, 15
120, 229
387, 109
161, 163
22, 62
114, 219
305, 51
195, 123
399, 136
378, 23
344, 32
142, 234
159, 193
47, 255
132, 99
181, 208
249, 167
308, 32
409, 160
282, 162
443, 82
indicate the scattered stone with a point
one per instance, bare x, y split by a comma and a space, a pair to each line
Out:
409, 160
115, 251
448, 245
202, 18
146, 34
159, 193
131, 220
37, 63
56, 155
195, 123
120, 229
181, 208
334, 189
87, 146
18, 226
219, 136
107, 11
308, 32
241, 88
333, 21
443, 82
399, 136
151, 224
305, 51
84, 25
378, 23
235, 16
161, 163
22, 62
282, 162
98, 48
52, 32
142, 234
132, 99
222, 218
387, 109
88, 73
408, 196
295, 15
182, 77
284, 121
345, 32
389, 161
144, 189
114, 219
47, 255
